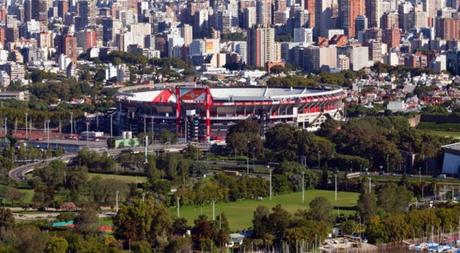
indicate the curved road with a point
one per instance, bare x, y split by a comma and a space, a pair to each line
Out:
18, 173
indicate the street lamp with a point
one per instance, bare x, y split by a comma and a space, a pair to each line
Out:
319, 159
268, 167
420, 174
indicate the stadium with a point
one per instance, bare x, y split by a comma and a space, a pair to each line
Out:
200, 113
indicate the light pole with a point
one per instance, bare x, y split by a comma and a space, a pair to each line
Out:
153, 131
146, 139
388, 164
370, 184
268, 167
145, 125
27, 134
319, 159
71, 124
247, 165
335, 186
48, 133
87, 134
420, 174
303, 186
111, 125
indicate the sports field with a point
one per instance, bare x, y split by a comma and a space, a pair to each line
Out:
239, 214
123, 178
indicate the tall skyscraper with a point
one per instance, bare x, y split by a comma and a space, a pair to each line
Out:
62, 7
39, 10
374, 12
361, 24
27, 10
348, 11
70, 47
264, 12
186, 32
86, 13
280, 5
249, 17
323, 16
310, 6
448, 28
261, 46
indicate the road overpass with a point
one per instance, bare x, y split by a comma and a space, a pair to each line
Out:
18, 174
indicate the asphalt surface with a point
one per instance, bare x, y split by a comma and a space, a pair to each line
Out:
18, 173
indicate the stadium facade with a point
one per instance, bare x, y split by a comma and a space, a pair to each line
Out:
200, 113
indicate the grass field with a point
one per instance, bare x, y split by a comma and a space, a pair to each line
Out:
28, 193
441, 129
124, 178
239, 214
452, 134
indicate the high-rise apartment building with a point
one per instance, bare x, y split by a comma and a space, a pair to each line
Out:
324, 13
186, 32
69, 47
348, 11
448, 28
310, 6
261, 45
373, 12
62, 8
264, 12
39, 10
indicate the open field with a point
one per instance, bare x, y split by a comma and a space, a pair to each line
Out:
239, 214
27, 193
124, 178
441, 129
452, 134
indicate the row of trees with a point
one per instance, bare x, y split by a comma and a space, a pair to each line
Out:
341, 78
278, 230
414, 224
147, 222
28, 238
368, 142
57, 183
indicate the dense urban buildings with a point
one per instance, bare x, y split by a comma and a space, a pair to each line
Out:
262, 33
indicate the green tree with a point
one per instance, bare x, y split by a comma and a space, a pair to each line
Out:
367, 205
244, 138
141, 247
279, 220
6, 218
143, 220
202, 231
180, 226
86, 221
321, 210
260, 224
180, 244
392, 198
30, 239
57, 245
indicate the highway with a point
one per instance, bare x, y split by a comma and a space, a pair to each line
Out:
18, 174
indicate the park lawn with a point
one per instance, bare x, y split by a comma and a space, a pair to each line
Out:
123, 178
239, 214
452, 134
28, 193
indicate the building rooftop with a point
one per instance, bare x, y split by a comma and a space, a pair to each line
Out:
452, 148
230, 94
